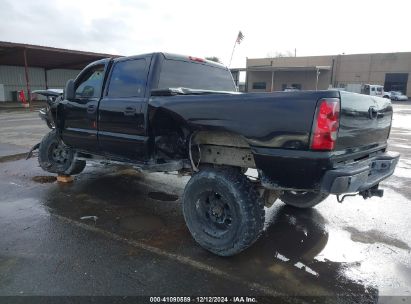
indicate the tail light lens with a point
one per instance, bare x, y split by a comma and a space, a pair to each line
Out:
196, 59
326, 123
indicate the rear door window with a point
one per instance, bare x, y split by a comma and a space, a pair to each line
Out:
128, 79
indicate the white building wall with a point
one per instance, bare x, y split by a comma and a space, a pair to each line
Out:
2, 96
13, 78
57, 79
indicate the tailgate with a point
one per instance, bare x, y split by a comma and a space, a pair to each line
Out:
364, 121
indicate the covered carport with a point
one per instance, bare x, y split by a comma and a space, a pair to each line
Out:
15, 56
275, 77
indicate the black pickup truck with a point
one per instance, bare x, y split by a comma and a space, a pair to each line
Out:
162, 112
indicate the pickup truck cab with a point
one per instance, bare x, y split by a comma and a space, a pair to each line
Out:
162, 112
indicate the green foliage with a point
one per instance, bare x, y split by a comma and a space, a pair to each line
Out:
213, 58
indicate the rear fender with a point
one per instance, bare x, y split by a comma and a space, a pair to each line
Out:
212, 146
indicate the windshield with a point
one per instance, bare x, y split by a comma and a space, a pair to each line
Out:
177, 73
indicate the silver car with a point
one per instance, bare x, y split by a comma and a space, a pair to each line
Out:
398, 96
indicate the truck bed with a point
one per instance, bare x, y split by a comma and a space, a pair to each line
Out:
278, 128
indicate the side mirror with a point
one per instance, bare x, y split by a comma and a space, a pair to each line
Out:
69, 92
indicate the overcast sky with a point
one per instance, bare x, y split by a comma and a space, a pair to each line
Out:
209, 28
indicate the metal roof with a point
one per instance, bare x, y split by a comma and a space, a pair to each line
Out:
46, 57
238, 69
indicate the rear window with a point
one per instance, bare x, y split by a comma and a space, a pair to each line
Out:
176, 73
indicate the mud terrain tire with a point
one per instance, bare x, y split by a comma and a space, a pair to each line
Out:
55, 157
222, 210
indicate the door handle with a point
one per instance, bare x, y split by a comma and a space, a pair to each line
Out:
129, 111
91, 109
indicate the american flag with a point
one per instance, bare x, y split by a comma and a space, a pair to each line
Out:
240, 37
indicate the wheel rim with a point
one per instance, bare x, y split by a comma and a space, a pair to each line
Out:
215, 213
59, 154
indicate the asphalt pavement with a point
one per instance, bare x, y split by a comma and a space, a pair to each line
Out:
135, 243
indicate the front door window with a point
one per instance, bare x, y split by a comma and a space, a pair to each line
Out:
89, 85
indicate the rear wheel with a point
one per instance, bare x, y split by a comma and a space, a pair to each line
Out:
55, 157
222, 210
303, 199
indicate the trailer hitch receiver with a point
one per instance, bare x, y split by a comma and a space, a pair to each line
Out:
374, 191
368, 193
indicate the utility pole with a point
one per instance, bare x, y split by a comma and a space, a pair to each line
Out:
238, 40
232, 53
27, 76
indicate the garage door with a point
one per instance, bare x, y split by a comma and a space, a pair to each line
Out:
396, 82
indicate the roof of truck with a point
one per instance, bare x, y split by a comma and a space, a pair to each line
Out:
187, 58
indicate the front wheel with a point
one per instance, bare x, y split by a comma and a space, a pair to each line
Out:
303, 199
222, 210
55, 157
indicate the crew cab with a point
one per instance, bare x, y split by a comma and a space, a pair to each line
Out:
162, 112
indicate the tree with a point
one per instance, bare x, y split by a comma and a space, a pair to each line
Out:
213, 58
280, 54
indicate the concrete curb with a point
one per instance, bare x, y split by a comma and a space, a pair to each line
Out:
16, 105
13, 157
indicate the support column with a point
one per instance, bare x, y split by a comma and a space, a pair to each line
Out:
45, 79
272, 81
246, 76
27, 75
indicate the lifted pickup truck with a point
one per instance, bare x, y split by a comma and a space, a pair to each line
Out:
162, 112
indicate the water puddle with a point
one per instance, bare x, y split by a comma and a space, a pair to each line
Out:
374, 236
44, 179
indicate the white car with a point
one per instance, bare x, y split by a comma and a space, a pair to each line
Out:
398, 96
291, 89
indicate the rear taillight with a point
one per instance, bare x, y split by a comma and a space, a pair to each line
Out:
326, 123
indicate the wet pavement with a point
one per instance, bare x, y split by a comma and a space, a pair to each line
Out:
132, 239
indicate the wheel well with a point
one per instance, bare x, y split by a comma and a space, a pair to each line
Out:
223, 148
172, 137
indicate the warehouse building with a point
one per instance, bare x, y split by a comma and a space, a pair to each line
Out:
31, 67
322, 72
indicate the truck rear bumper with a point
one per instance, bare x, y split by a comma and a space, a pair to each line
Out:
361, 175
